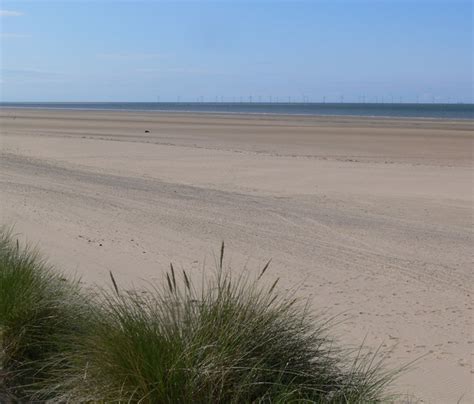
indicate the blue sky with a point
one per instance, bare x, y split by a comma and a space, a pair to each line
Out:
107, 50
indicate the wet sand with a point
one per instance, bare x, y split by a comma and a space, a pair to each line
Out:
372, 218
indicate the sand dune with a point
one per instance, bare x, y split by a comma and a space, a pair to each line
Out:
372, 218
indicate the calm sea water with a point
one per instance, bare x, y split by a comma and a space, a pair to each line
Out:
455, 111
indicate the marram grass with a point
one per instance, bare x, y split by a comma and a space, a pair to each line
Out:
41, 313
233, 339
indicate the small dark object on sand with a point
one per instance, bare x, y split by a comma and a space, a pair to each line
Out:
147, 131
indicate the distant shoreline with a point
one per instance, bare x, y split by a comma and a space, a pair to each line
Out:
463, 112
245, 115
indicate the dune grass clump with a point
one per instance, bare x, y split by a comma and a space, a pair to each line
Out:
228, 339
40, 314
233, 340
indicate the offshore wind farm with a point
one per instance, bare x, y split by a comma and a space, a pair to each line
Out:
367, 109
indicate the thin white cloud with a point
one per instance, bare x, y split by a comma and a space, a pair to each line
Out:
14, 36
10, 13
30, 76
180, 70
150, 70
129, 56
29, 72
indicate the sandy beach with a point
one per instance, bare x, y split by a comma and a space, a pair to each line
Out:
370, 218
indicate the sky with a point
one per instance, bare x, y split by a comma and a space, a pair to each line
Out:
149, 50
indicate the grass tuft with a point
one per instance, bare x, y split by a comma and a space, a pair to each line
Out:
40, 314
235, 339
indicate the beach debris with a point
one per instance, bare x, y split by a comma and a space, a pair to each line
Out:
147, 131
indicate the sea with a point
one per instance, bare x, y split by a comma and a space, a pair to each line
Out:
395, 110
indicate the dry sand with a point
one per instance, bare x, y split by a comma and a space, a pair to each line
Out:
372, 218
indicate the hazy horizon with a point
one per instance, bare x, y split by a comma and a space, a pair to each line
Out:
245, 100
